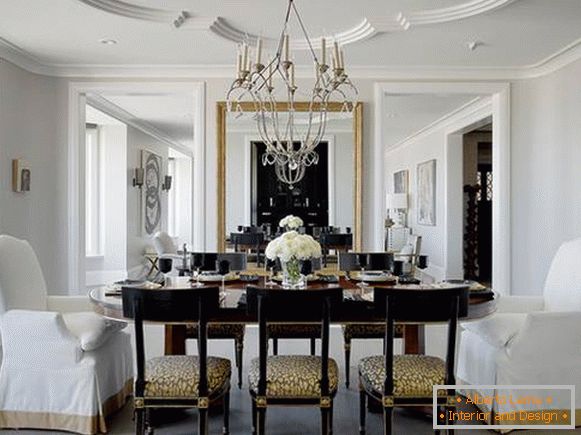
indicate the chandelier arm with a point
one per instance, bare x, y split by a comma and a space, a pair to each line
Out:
300, 20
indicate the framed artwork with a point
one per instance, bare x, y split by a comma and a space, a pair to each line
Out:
152, 165
427, 193
401, 181
20, 176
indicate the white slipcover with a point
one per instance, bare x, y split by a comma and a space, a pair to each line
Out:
530, 340
58, 371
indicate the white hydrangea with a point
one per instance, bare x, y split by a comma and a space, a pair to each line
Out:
291, 222
292, 245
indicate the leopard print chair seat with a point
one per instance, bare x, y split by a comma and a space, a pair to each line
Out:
177, 376
364, 331
293, 376
225, 331
413, 375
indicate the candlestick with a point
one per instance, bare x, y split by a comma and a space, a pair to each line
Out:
258, 50
239, 63
336, 52
244, 55
286, 48
293, 75
341, 61
323, 51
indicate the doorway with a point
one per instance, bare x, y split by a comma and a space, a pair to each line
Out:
478, 178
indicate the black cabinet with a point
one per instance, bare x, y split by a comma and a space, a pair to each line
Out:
272, 199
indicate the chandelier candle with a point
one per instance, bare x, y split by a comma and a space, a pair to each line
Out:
290, 140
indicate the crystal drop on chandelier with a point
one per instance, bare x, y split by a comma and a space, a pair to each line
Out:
290, 141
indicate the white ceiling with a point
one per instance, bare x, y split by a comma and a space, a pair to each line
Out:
406, 115
396, 33
171, 113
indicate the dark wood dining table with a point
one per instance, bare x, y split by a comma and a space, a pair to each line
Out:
355, 308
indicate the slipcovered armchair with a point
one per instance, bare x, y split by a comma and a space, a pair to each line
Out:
530, 340
59, 371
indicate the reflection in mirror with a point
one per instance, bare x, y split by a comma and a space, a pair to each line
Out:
255, 199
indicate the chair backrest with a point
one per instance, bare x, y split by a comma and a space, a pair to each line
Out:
279, 305
238, 260
170, 305
343, 240
562, 290
421, 305
22, 284
350, 261
164, 244
246, 239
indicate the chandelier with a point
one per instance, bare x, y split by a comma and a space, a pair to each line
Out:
271, 90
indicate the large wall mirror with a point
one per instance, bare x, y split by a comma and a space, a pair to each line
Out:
251, 196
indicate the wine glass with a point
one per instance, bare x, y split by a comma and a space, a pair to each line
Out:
362, 260
165, 266
223, 270
270, 267
197, 263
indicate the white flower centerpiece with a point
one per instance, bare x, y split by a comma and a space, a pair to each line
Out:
291, 222
291, 248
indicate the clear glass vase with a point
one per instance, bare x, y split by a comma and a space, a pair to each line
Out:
291, 274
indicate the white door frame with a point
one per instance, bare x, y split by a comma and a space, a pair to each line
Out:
76, 157
501, 228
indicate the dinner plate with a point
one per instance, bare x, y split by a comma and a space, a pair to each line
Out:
217, 278
310, 278
373, 277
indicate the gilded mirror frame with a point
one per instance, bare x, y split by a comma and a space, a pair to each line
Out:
221, 116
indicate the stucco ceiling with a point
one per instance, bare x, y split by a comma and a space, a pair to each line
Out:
395, 33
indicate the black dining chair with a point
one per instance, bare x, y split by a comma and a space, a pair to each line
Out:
298, 331
339, 242
248, 242
176, 381
292, 380
357, 261
208, 261
238, 261
408, 380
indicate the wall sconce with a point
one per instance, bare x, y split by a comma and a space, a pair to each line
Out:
138, 177
167, 180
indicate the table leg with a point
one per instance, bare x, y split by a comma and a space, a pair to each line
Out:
414, 339
175, 339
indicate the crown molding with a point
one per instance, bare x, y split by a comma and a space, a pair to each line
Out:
452, 13
130, 10
560, 59
128, 118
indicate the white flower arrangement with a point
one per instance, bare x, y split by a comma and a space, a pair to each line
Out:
291, 222
293, 246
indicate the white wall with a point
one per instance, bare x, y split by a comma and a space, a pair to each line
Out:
137, 240
29, 121
431, 146
546, 172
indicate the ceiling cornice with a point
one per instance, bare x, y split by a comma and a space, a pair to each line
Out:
367, 28
552, 63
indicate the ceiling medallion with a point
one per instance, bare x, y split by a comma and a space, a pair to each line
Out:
290, 142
